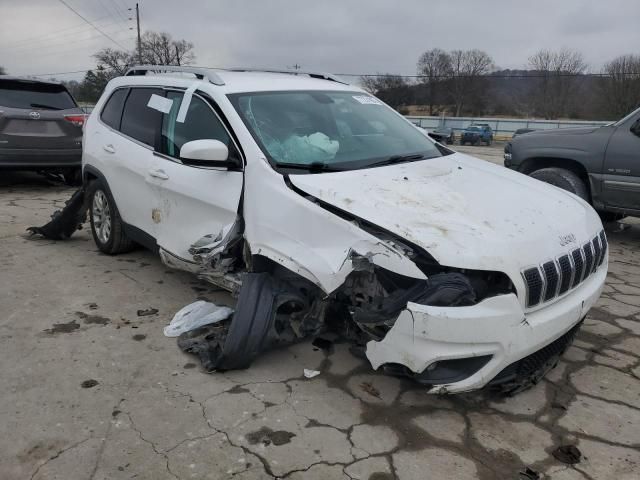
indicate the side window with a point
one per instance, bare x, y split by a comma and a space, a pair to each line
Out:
112, 111
200, 123
138, 120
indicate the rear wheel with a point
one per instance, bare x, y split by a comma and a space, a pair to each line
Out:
106, 225
562, 178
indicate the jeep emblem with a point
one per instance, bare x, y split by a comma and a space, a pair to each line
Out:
567, 239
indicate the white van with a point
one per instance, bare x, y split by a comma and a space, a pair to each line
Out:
322, 208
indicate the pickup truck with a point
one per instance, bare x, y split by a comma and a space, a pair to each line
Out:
599, 164
476, 133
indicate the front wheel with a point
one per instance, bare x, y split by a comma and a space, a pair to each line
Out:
562, 178
106, 225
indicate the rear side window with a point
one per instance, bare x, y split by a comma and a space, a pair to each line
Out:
34, 95
112, 111
138, 120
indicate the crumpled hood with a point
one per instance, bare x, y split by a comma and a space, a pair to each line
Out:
465, 212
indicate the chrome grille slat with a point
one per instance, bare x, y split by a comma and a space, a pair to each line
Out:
555, 277
588, 259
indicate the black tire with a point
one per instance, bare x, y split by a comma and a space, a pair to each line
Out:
610, 217
562, 178
73, 177
114, 240
461, 142
476, 142
489, 142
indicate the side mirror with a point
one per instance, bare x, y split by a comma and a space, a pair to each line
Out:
205, 152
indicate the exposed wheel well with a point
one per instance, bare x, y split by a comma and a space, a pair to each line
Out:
530, 165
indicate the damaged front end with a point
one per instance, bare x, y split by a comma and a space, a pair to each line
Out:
277, 307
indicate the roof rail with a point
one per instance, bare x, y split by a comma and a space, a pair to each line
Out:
199, 73
321, 75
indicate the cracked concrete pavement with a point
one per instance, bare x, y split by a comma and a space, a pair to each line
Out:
91, 390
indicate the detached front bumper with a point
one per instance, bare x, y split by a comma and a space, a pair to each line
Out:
457, 349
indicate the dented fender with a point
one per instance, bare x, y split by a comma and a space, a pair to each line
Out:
322, 250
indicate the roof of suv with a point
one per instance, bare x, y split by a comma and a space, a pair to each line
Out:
29, 80
239, 81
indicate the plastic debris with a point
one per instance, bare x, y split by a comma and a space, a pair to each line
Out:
196, 315
568, 454
311, 373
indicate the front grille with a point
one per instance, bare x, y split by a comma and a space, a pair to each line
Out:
588, 259
578, 265
556, 277
566, 273
551, 278
597, 250
603, 241
534, 286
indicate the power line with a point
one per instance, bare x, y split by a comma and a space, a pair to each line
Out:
90, 23
62, 40
51, 35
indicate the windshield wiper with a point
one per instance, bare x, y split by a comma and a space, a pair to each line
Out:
312, 167
396, 159
48, 107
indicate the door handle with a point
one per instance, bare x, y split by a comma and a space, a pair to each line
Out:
109, 148
159, 174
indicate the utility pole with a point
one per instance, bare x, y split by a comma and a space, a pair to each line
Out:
139, 41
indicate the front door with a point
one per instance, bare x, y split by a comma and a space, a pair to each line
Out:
192, 201
622, 166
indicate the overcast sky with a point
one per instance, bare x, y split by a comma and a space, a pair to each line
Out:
339, 36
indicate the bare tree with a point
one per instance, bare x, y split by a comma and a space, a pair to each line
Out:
433, 67
392, 89
468, 69
156, 49
161, 49
621, 86
559, 76
114, 62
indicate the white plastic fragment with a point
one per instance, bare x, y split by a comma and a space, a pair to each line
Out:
159, 103
311, 373
186, 101
196, 315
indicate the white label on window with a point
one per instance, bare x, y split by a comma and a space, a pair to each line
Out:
159, 103
367, 100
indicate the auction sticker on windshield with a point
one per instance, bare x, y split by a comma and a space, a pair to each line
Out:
367, 100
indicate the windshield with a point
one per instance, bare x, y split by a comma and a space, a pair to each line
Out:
336, 130
34, 95
473, 129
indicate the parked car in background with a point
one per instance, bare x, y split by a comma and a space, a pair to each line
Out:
201, 169
40, 127
522, 131
477, 133
443, 135
601, 165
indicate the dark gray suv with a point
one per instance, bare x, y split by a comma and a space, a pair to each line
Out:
40, 127
599, 164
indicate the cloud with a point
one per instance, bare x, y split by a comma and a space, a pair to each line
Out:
333, 35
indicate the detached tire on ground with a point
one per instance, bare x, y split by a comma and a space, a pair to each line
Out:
562, 178
106, 225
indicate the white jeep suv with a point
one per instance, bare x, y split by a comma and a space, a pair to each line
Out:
322, 208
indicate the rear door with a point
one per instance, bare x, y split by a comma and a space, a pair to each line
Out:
36, 115
193, 201
622, 166
125, 153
